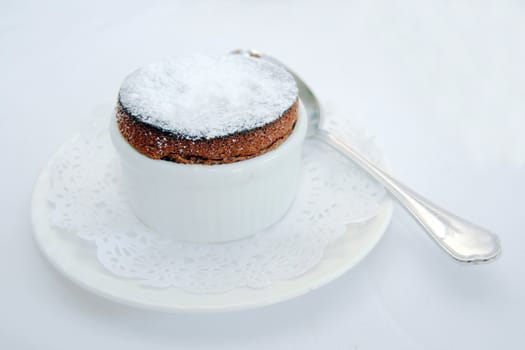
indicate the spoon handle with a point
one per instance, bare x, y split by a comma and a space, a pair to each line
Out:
463, 240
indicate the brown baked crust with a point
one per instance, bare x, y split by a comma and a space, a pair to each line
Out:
158, 144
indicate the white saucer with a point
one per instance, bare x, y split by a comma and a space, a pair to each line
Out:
68, 256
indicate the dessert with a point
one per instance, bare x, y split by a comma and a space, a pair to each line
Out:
207, 110
210, 147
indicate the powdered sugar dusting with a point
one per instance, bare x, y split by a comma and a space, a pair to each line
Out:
202, 97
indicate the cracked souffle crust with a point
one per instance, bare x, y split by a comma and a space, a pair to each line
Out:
157, 143
207, 109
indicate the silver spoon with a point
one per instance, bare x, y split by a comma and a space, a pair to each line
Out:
461, 239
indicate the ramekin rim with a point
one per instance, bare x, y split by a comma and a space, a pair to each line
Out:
125, 150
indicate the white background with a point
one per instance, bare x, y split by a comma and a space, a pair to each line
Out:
442, 86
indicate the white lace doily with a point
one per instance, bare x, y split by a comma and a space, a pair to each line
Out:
90, 202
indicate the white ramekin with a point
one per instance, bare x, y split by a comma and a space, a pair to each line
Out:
212, 203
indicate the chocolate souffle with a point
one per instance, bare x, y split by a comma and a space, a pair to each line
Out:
207, 110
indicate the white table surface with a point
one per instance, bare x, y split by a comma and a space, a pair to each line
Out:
442, 86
